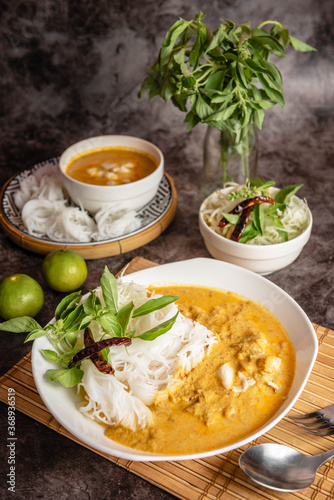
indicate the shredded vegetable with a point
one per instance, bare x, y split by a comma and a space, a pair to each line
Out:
268, 224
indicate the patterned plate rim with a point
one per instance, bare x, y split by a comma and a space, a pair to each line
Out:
152, 211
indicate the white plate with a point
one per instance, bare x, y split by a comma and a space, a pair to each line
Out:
62, 402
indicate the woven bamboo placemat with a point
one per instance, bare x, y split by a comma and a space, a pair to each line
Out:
216, 477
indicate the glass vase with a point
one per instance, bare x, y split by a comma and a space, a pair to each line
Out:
226, 160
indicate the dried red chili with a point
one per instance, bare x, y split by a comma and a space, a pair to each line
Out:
249, 203
101, 364
240, 227
92, 350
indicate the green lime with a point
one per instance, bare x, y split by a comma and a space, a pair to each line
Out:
20, 295
64, 270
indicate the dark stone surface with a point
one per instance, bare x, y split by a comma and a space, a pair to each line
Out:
71, 70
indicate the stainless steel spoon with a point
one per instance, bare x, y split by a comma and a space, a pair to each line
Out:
281, 468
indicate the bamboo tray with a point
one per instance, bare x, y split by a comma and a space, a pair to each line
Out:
216, 477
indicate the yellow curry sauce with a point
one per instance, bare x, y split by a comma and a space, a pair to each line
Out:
197, 412
111, 166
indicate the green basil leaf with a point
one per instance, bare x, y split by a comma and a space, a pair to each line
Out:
216, 80
218, 36
68, 377
300, 46
192, 120
74, 318
198, 47
222, 116
86, 320
249, 233
203, 110
258, 115
223, 99
35, 334
253, 65
109, 324
92, 305
170, 39
257, 182
180, 102
109, 290
75, 326
277, 222
66, 303
272, 93
256, 93
124, 316
266, 104
272, 209
266, 40
105, 354
241, 76
22, 324
280, 228
231, 218
154, 305
158, 330
261, 184
274, 73
179, 56
258, 216
51, 355
71, 338
284, 195
283, 233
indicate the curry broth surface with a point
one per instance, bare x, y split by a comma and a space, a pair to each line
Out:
111, 166
196, 413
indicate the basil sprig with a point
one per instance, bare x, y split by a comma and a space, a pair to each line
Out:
224, 78
73, 315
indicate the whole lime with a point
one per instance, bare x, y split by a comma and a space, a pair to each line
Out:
64, 270
20, 295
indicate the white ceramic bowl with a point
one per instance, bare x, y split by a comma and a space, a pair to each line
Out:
125, 196
262, 259
62, 403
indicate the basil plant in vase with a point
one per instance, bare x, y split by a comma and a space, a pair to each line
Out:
223, 79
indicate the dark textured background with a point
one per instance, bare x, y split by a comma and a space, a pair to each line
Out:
71, 70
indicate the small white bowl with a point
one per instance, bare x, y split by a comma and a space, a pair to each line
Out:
125, 196
262, 259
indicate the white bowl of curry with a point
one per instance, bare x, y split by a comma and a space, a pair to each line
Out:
116, 171
263, 336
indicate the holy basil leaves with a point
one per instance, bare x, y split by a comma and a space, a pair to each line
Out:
224, 78
73, 315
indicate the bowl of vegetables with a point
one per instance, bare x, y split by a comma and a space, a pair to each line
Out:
256, 225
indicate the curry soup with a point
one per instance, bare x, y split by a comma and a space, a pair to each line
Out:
111, 166
239, 385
